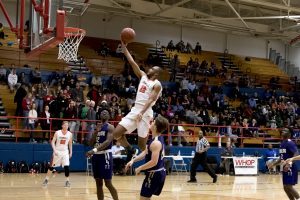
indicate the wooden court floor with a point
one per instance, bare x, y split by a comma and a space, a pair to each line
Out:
28, 187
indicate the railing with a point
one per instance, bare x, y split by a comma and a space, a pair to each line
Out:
190, 133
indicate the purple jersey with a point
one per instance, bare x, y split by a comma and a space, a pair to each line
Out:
288, 148
102, 135
102, 161
155, 176
160, 163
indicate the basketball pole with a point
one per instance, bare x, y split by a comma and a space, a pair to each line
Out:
22, 16
12, 28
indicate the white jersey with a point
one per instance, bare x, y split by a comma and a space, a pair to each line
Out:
62, 140
144, 90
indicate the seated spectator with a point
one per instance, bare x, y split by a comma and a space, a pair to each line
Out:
270, 158
13, 81
36, 76
104, 50
227, 162
54, 78
1, 31
177, 129
253, 128
119, 51
96, 81
119, 163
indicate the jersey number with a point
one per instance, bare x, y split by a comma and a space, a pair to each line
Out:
143, 89
63, 142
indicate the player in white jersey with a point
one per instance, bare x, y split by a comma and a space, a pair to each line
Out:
62, 152
141, 114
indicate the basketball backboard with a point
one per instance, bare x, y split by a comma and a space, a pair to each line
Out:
47, 32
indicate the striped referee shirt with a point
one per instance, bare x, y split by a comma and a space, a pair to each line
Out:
201, 144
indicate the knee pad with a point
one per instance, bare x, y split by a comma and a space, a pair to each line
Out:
67, 171
51, 168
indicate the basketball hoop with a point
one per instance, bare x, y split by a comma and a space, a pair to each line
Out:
68, 49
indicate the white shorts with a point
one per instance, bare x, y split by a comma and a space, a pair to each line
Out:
130, 123
61, 159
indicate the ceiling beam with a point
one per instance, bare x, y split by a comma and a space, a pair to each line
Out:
272, 5
249, 18
170, 7
237, 14
122, 7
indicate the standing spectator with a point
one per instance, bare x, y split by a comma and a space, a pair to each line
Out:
32, 119
70, 115
184, 85
40, 93
20, 94
2, 74
198, 48
1, 31
91, 117
45, 123
174, 66
201, 158
13, 81
26, 106
170, 46
77, 93
93, 94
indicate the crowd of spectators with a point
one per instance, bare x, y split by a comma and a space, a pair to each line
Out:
191, 101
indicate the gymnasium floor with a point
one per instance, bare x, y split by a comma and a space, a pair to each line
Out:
28, 187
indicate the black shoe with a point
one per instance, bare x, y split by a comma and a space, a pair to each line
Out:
215, 179
192, 181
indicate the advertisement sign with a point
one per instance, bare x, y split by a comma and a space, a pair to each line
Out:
245, 165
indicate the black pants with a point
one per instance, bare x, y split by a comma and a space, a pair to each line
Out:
201, 158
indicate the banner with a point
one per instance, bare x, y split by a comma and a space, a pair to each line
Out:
245, 165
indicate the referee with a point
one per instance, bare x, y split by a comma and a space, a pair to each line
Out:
201, 158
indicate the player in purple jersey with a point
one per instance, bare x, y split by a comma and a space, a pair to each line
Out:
288, 150
154, 161
102, 156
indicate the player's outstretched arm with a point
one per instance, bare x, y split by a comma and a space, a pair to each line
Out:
155, 149
138, 72
137, 158
293, 159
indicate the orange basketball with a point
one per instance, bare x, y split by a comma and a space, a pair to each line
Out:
127, 35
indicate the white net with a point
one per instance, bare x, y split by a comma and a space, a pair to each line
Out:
68, 49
